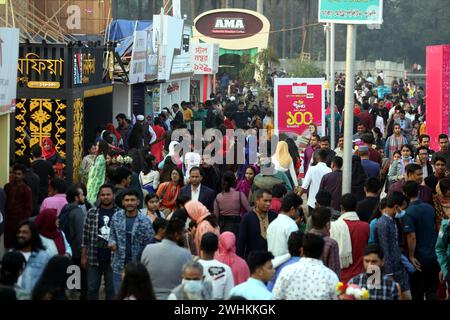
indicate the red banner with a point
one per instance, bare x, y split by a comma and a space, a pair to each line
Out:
438, 92
298, 104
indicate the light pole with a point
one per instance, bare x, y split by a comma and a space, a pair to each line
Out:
260, 6
332, 89
349, 109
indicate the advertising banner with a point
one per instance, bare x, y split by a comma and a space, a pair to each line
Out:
299, 103
205, 58
9, 55
438, 93
351, 12
139, 57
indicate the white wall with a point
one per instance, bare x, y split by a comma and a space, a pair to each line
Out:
183, 94
121, 100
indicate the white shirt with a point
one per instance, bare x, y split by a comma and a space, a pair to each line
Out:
278, 234
379, 123
425, 171
308, 279
152, 133
195, 193
312, 181
151, 178
220, 276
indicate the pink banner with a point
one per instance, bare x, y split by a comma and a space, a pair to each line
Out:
298, 104
438, 92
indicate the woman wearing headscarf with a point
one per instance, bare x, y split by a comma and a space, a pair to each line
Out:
52, 237
293, 151
117, 138
245, 184
359, 178
172, 154
97, 172
50, 153
283, 162
398, 167
442, 201
227, 254
204, 220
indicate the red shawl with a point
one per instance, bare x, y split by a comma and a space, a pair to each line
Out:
46, 223
48, 154
110, 127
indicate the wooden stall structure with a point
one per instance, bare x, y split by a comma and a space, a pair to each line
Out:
55, 84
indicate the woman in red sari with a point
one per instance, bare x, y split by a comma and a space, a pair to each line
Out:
156, 148
169, 191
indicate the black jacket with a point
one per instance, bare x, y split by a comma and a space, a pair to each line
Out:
206, 196
33, 181
71, 222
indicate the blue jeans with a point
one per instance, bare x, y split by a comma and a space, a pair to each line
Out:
117, 279
94, 277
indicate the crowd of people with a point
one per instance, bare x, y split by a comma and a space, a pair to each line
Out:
144, 222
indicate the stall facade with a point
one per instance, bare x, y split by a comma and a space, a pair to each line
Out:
63, 93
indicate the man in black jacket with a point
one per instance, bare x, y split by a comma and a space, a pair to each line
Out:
178, 115
195, 190
71, 222
43, 169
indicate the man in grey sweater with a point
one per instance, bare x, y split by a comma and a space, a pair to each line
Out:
164, 261
71, 222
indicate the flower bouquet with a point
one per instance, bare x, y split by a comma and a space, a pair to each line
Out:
351, 292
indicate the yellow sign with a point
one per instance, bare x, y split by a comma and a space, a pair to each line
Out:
43, 85
33, 63
40, 65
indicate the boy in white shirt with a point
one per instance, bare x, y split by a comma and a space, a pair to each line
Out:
218, 273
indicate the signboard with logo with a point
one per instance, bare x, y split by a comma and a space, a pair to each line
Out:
298, 104
139, 57
351, 12
9, 52
233, 29
88, 66
229, 25
39, 68
205, 58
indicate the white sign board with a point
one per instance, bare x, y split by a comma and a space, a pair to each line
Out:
205, 58
139, 58
169, 34
9, 57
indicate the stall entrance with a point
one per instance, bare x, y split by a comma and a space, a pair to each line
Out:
97, 113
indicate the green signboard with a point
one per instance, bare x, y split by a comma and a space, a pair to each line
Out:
351, 11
